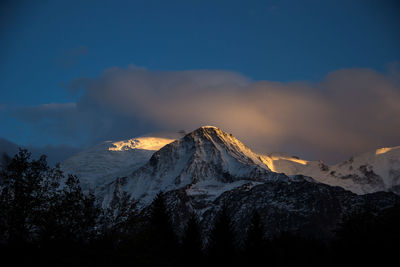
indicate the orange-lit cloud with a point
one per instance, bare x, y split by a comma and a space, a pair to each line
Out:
349, 111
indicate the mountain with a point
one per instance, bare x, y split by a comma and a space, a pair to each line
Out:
104, 162
374, 171
297, 206
206, 159
366, 173
209, 169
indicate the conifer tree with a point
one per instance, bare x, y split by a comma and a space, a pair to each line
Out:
4, 161
255, 243
161, 238
160, 220
78, 213
192, 242
221, 246
120, 217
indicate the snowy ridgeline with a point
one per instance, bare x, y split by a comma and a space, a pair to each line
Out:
369, 172
209, 161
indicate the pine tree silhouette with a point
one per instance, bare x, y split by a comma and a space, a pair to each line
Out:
255, 243
192, 242
161, 239
119, 219
375, 234
122, 209
38, 214
77, 212
4, 161
221, 246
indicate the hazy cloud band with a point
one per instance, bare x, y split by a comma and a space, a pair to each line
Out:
349, 111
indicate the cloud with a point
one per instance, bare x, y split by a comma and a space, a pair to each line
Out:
349, 111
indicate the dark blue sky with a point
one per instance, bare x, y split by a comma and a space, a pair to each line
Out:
47, 44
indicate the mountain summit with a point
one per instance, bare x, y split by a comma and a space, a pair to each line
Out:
226, 151
207, 156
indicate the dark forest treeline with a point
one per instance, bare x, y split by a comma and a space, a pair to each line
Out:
47, 220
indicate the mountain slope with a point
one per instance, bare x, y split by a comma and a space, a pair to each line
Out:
296, 206
106, 161
369, 172
206, 159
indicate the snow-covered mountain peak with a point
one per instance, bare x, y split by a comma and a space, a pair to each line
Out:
208, 131
224, 143
147, 143
209, 127
207, 157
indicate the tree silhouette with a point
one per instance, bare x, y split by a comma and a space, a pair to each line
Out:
77, 212
375, 234
5, 160
161, 240
39, 209
255, 243
120, 217
221, 246
27, 187
192, 242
